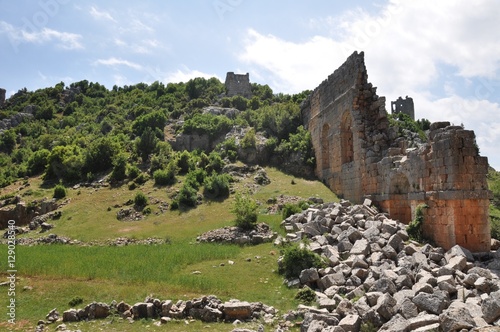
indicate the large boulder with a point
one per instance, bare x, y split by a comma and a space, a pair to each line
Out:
240, 310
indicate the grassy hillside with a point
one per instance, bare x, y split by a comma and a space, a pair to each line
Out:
53, 275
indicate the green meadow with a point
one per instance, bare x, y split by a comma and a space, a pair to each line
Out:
50, 276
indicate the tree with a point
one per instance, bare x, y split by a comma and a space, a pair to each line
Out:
119, 167
8, 141
146, 144
245, 209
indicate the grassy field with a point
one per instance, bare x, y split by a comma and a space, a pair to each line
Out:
51, 276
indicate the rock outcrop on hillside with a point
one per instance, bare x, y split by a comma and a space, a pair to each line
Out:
377, 277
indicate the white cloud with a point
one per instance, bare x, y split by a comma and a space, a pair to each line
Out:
185, 75
95, 13
295, 67
113, 62
65, 40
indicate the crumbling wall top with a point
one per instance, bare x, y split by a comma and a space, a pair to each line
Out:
405, 106
238, 85
2, 96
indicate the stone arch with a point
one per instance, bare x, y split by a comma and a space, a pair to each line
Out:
346, 138
399, 204
325, 147
399, 184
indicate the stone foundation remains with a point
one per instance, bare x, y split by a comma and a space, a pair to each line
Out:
358, 155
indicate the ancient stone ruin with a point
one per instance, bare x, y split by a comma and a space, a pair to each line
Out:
2, 96
359, 155
403, 106
238, 85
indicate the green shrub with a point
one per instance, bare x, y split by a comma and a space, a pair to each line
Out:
75, 301
184, 162
215, 162
216, 186
142, 178
59, 191
140, 200
290, 209
164, 177
414, 228
245, 209
248, 140
495, 222
196, 177
306, 295
119, 168
133, 172
37, 162
296, 259
187, 196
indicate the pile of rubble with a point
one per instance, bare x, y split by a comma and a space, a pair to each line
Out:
376, 277
49, 239
206, 309
232, 234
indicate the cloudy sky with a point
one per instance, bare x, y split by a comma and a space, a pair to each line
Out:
445, 54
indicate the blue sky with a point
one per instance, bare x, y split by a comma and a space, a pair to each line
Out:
445, 54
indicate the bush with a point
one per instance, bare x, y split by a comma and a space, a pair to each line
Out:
296, 259
248, 140
133, 171
59, 191
37, 162
216, 185
414, 228
306, 295
75, 301
196, 177
187, 196
142, 178
140, 200
290, 209
184, 162
245, 209
164, 177
119, 168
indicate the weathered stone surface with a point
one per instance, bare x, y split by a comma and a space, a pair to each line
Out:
431, 303
359, 155
310, 318
237, 310
70, 315
309, 276
456, 319
386, 306
384, 285
395, 324
350, 323
143, 310
491, 307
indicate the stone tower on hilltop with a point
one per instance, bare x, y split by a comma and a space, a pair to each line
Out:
359, 155
2, 96
238, 85
403, 106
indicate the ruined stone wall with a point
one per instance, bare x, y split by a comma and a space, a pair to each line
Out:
238, 85
359, 156
2, 96
405, 106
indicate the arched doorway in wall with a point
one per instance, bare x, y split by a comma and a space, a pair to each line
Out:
346, 138
325, 147
400, 207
